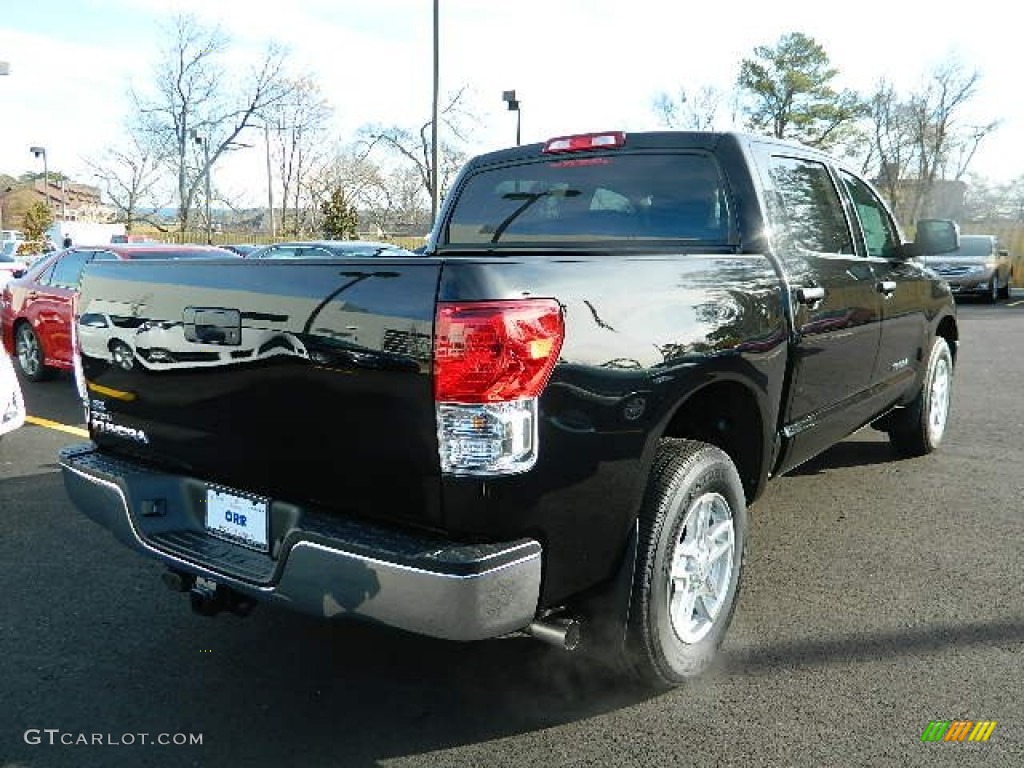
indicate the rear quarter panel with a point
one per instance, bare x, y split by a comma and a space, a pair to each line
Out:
643, 334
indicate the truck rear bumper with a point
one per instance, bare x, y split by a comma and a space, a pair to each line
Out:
318, 564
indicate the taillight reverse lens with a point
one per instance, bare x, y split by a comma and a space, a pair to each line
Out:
495, 351
491, 362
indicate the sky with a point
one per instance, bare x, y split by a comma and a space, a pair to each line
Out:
576, 65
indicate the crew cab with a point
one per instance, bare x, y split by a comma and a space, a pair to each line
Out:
552, 422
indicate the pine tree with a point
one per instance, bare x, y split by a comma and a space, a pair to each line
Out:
340, 218
38, 219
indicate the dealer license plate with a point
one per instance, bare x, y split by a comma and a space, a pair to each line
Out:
241, 519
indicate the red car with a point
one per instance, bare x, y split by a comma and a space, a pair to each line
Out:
36, 309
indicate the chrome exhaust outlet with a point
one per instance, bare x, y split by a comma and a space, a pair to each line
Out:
560, 631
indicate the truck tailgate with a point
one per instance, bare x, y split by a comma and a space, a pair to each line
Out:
308, 381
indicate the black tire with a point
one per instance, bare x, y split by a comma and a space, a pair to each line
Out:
676, 624
1004, 292
993, 295
29, 354
918, 428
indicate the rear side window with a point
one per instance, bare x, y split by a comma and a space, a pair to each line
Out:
805, 211
605, 198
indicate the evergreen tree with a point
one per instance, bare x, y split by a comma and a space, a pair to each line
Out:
340, 218
38, 219
791, 96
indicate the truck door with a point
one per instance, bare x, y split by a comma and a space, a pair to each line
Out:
835, 306
902, 285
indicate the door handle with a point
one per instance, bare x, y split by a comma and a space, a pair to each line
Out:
886, 287
810, 294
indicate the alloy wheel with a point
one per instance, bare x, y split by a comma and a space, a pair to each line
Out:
701, 567
27, 350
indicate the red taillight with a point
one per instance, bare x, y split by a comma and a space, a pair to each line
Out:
495, 351
583, 141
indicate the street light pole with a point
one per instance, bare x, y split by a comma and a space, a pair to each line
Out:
37, 151
205, 141
509, 97
270, 181
209, 221
5, 69
435, 176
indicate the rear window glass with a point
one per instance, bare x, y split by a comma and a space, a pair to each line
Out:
171, 253
604, 198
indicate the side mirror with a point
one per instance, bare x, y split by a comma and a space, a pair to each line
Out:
935, 236
1004, 252
19, 272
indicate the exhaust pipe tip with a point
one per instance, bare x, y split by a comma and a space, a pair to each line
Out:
563, 632
177, 581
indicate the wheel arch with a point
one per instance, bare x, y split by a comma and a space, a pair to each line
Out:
727, 414
947, 329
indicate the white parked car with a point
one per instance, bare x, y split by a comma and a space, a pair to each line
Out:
11, 264
12, 405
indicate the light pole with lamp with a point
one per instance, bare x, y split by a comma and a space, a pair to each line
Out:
205, 141
509, 97
37, 151
5, 69
435, 176
270, 180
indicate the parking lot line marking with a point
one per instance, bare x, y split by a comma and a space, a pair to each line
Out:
1015, 303
77, 431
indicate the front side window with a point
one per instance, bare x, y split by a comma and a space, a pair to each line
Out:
805, 210
880, 234
567, 200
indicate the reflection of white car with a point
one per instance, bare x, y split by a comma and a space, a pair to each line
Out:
12, 406
163, 346
126, 341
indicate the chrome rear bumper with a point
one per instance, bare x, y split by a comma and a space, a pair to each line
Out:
320, 565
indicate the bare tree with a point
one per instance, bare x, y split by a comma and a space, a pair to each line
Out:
369, 187
298, 125
195, 115
130, 173
891, 150
697, 111
920, 142
413, 146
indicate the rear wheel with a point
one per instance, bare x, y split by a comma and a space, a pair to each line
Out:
689, 559
918, 428
29, 354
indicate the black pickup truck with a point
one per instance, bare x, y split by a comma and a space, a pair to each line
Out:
552, 423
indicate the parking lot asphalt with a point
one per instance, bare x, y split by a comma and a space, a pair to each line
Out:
880, 595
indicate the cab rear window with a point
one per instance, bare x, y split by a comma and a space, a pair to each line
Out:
585, 199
